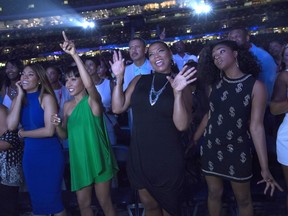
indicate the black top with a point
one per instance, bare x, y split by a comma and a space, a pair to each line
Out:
156, 159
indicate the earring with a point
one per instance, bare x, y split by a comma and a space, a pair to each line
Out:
172, 63
237, 64
221, 74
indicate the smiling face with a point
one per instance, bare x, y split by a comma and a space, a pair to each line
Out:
29, 80
74, 84
160, 57
224, 57
12, 71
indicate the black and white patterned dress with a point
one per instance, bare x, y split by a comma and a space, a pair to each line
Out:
11, 160
226, 150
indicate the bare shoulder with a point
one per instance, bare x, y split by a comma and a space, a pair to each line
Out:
48, 98
68, 107
133, 83
3, 109
259, 91
283, 75
259, 86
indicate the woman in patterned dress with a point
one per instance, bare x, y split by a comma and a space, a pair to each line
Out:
235, 120
11, 152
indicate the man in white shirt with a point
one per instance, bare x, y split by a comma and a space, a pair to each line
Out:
181, 57
140, 65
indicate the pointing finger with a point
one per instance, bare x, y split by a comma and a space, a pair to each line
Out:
64, 36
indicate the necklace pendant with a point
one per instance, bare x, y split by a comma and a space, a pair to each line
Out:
151, 100
155, 94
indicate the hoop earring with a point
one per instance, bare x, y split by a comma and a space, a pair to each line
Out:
172, 63
237, 64
221, 74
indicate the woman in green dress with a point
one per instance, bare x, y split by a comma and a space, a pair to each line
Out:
92, 163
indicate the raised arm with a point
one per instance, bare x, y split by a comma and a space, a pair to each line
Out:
121, 100
94, 97
13, 118
182, 111
279, 102
259, 98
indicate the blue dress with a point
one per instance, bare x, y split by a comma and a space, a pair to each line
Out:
43, 162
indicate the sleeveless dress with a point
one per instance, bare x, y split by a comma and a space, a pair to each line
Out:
282, 142
156, 157
91, 156
226, 150
43, 162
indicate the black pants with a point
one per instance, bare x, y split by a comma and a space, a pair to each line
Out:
9, 200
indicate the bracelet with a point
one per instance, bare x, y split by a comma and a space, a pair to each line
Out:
19, 135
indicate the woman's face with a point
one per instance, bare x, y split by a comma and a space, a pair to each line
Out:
224, 57
160, 58
102, 69
74, 84
29, 80
91, 67
12, 71
53, 75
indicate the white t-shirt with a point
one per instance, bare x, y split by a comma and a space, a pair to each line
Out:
180, 62
132, 70
105, 92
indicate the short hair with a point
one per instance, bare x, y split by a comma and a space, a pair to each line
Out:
72, 71
139, 39
241, 28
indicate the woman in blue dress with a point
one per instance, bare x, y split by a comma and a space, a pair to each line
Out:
43, 163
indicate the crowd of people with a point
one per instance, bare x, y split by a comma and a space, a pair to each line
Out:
228, 96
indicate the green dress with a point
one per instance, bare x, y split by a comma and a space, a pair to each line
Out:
91, 156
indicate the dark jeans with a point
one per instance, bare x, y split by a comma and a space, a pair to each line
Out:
9, 200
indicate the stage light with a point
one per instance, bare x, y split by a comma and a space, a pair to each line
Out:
200, 7
87, 24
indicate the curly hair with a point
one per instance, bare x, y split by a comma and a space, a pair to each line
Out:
248, 63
